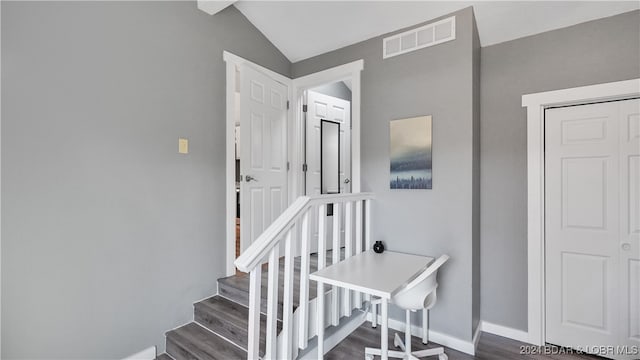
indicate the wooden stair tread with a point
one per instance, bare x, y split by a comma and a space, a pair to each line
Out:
220, 330
194, 342
236, 287
230, 320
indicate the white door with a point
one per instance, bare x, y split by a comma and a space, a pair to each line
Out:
323, 107
630, 224
263, 153
591, 237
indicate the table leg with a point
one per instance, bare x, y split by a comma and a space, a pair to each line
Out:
384, 337
320, 319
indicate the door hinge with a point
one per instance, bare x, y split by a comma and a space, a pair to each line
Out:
288, 166
304, 167
304, 108
287, 104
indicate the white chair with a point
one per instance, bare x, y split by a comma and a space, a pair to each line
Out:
419, 294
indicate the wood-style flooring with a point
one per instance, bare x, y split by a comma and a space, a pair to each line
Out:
489, 347
219, 330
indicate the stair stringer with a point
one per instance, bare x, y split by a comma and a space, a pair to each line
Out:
333, 335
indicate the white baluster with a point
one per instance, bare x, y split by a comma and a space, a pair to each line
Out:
367, 231
304, 283
348, 249
359, 226
358, 295
253, 346
322, 256
287, 310
335, 305
272, 305
367, 224
320, 320
322, 236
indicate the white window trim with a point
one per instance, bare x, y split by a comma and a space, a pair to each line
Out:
536, 104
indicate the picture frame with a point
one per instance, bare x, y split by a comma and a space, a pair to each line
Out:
410, 153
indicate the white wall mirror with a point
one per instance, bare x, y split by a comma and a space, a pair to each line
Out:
329, 157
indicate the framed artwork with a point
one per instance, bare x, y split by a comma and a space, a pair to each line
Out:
410, 153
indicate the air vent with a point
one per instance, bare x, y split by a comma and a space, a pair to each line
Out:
419, 38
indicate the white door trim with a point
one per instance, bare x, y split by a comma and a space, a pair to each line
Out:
232, 62
536, 104
350, 71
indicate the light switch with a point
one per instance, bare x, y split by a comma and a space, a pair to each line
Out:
183, 146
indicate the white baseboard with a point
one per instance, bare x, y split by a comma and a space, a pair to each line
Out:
476, 335
449, 341
504, 331
146, 354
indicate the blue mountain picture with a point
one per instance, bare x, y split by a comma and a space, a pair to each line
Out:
410, 153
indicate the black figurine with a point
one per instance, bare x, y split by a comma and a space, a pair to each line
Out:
378, 247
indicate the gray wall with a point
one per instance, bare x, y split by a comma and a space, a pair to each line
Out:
336, 89
108, 234
433, 81
594, 52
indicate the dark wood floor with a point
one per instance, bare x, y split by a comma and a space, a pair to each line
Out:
489, 347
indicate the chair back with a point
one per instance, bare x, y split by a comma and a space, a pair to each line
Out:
421, 292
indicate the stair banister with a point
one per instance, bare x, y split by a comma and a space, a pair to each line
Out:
260, 248
267, 247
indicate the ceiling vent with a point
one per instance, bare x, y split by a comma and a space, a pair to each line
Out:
419, 38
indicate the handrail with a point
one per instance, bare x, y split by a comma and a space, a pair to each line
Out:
260, 248
339, 198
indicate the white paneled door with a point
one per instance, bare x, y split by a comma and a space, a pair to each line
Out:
263, 152
629, 269
324, 107
592, 227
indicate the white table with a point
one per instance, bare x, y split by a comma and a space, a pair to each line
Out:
381, 275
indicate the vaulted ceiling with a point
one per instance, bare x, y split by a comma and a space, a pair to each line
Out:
303, 29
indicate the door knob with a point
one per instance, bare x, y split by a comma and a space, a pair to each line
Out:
250, 178
346, 181
626, 246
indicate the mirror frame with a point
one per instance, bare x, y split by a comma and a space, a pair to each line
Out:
322, 122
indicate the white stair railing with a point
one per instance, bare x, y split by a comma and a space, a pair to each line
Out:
293, 229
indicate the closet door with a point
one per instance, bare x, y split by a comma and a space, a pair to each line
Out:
592, 228
629, 241
582, 224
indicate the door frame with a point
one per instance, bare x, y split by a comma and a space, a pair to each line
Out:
295, 136
536, 104
349, 71
232, 62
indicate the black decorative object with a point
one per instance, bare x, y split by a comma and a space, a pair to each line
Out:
378, 247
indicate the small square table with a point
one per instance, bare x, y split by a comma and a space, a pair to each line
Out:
381, 275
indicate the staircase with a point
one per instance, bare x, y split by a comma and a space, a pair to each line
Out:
219, 330
270, 310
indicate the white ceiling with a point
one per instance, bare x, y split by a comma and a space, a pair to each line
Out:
302, 29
